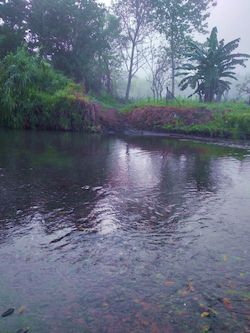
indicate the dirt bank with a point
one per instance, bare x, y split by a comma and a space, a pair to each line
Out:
200, 122
150, 118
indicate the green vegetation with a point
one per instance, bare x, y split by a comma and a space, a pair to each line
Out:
34, 95
230, 120
210, 66
60, 58
177, 21
76, 37
185, 103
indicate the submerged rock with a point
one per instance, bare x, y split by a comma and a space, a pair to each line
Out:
23, 330
8, 312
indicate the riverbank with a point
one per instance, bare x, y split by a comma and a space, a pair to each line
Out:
75, 112
189, 118
39, 97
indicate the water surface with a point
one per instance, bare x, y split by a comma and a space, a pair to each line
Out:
105, 234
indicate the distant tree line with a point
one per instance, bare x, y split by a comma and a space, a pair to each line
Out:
96, 46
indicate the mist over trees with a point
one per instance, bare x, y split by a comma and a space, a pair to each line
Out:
99, 47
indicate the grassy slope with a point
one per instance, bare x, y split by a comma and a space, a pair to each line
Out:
230, 119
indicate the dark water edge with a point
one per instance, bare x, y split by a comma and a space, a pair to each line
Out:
226, 142
123, 234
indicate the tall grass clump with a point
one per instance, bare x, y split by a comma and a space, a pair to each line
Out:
34, 95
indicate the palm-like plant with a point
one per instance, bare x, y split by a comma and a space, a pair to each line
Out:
210, 66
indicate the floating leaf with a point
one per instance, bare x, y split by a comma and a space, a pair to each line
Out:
205, 329
105, 305
23, 330
155, 328
21, 310
159, 276
141, 320
227, 303
146, 306
169, 283
190, 286
183, 292
225, 258
205, 314
81, 321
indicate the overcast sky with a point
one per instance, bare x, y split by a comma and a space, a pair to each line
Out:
232, 18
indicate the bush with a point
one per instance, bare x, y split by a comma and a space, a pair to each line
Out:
34, 95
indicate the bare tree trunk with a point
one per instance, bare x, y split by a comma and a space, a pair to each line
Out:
172, 64
173, 74
130, 74
109, 83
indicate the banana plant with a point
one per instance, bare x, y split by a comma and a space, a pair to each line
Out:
210, 67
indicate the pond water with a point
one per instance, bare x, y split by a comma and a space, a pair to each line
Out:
106, 234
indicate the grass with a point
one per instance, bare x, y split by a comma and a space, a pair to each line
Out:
230, 119
107, 101
187, 104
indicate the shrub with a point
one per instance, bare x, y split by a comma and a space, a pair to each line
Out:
34, 95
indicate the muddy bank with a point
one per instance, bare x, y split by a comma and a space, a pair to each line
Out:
80, 114
150, 118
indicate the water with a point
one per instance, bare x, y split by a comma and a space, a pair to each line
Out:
123, 234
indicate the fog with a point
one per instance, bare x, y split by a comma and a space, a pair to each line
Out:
232, 20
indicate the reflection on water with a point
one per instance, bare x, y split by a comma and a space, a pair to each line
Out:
123, 235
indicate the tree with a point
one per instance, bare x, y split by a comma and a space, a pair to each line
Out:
177, 20
73, 35
209, 65
134, 19
108, 66
157, 61
13, 14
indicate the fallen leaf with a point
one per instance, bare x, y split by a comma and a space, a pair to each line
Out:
205, 329
21, 310
205, 314
23, 330
155, 328
190, 286
142, 321
169, 283
184, 292
144, 305
81, 321
227, 303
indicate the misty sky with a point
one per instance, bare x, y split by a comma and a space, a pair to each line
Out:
232, 17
